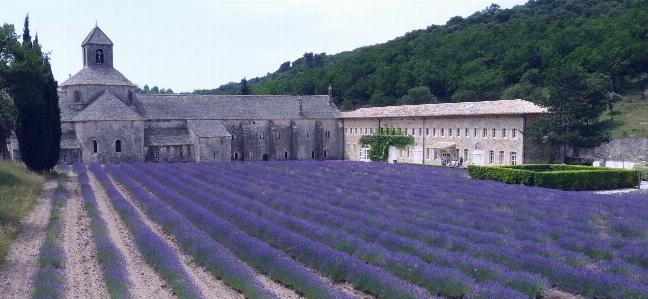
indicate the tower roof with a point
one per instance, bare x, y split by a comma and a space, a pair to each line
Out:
97, 37
98, 76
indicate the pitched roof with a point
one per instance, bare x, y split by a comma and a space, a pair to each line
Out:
223, 107
97, 37
98, 75
502, 107
172, 136
208, 128
107, 107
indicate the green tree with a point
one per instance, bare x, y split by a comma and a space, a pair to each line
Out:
575, 101
28, 83
245, 89
418, 95
8, 115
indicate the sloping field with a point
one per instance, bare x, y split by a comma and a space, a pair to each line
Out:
338, 229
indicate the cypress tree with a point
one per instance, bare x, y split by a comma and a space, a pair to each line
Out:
28, 87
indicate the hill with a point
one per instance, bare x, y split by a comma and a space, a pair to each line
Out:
493, 54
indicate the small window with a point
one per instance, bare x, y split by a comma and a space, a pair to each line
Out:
475, 133
400, 153
95, 146
118, 145
214, 155
492, 157
494, 133
427, 132
251, 155
427, 153
286, 155
64, 158
503, 133
156, 155
408, 151
325, 153
180, 154
420, 132
513, 158
442, 132
458, 132
434, 132
130, 97
436, 155
99, 56
514, 134
354, 147
260, 135
366, 131
313, 154
328, 134
308, 134
233, 136
77, 97
466, 133
465, 155
501, 157
449, 132
356, 131
485, 133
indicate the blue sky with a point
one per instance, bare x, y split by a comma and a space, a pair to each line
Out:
187, 45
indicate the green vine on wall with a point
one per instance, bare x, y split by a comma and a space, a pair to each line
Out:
382, 140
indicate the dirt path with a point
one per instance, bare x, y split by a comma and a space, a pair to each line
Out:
146, 283
84, 279
19, 271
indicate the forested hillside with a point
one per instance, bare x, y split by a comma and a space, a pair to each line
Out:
493, 54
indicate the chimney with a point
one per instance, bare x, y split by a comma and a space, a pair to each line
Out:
330, 94
301, 112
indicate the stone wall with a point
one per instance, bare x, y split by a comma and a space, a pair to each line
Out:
106, 133
499, 137
624, 149
283, 139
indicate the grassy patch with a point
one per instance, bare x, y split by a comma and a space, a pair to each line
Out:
19, 189
630, 116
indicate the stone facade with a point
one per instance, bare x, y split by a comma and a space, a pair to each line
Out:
103, 120
450, 132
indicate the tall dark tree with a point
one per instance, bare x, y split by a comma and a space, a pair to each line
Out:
8, 115
245, 89
34, 95
575, 101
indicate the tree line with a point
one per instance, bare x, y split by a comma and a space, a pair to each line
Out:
493, 54
28, 99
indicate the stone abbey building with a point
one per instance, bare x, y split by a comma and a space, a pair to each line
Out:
103, 120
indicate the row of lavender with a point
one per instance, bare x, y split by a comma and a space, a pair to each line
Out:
110, 259
50, 278
452, 219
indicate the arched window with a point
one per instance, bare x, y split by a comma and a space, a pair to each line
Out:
260, 135
118, 145
313, 154
251, 155
99, 57
308, 134
95, 146
325, 153
236, 156
286, 155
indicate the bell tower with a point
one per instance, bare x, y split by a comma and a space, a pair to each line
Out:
97, 49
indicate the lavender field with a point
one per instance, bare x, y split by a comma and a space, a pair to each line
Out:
394, 231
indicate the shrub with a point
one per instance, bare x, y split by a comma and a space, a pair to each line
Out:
557, 176
643, 168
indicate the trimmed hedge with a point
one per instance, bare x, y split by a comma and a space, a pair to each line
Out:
557, 176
